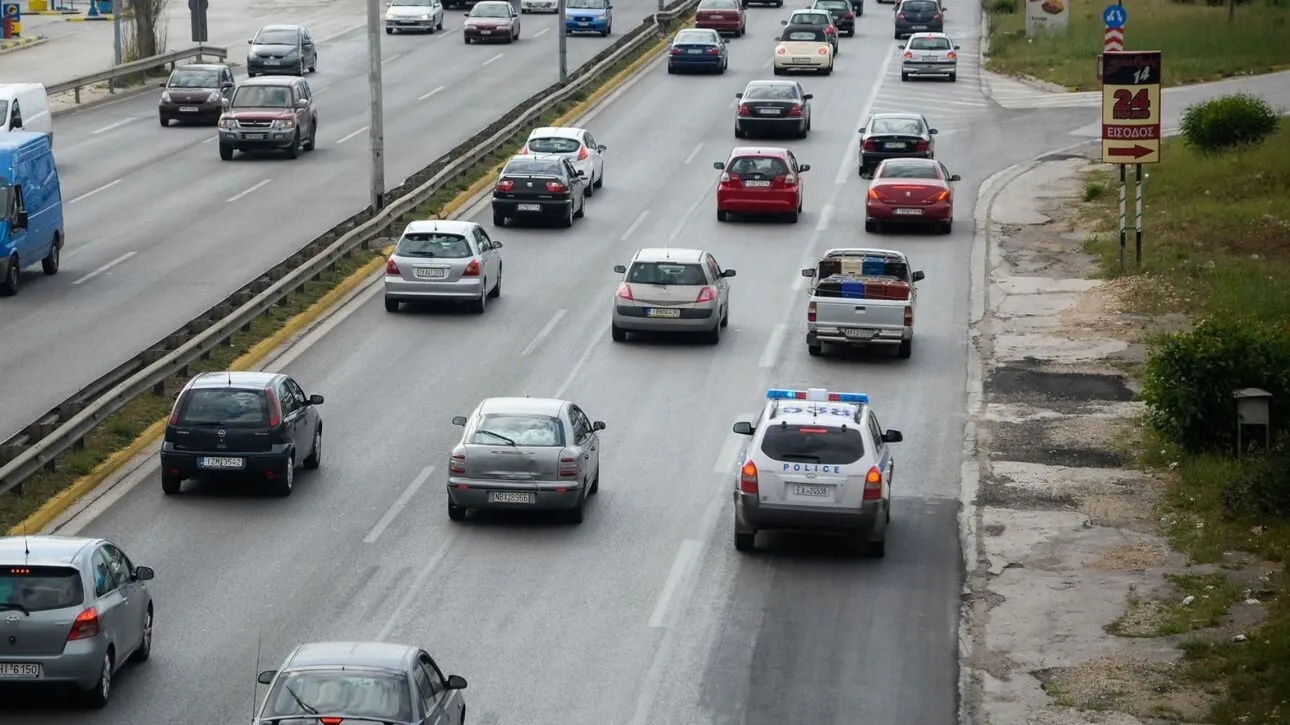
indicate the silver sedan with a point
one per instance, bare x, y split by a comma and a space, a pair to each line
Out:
444, 260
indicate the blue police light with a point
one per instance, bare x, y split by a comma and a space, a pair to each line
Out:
816, 395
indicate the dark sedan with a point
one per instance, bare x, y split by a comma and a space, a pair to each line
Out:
895, 136
697, 49
195, 93
282, 50
919, 16
843, 12
773, 107
541, 186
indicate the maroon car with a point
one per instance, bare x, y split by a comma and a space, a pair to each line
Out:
910, 191
723, 16
269, 113
195, 93
491, 21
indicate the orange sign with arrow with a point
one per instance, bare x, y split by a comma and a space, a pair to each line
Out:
1131, 107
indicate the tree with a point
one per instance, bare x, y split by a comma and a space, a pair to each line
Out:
147, 31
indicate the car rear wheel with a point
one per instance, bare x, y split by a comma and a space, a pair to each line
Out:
170, 485
499, 220
600, 181
567, 220
479, 305
814, 350
876, 549
739, 132
723, 216
97, 696
578, 513
391, 305
389, 31
746, 542
906, 348
616, 333
713, 336
455, 512
947, 227
671, 69
954, 77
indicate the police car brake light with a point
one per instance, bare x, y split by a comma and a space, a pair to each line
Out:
816, 394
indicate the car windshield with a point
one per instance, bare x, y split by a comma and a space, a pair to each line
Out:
227, 407
411, 3
39, 588
489, 10
666, 273
832, 4
262, 97
587, 4
929, 44
917, 6
813, 444
194, 79
524, 430
433, 244
533, 167
695, 37
356, 693
761, 165
899, 126
809, 19
719, 5
775, 92
800, 35
895, 170
554, 145
278, 36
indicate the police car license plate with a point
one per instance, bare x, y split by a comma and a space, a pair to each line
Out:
221, 463
860, 334
816, 491
188, 109
430, 273
21, 671
909, 212
510, 497
662, 312
528, 207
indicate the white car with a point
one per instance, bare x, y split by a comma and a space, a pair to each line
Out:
806, 48
539, 6
426, 15
930, 55
575, 144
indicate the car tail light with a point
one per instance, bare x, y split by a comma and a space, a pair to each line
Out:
744, 110
789, 180
86, 625
848, 16
920, 146
582, 153
505, 185
706, 294
909, 316
624, 292
810, 312
824, 50
870, 145
795, 111
677, 51
568, 465
909, 55
936, 16
952, 55
331, 720
457, 464
748, 478
472, 269
174, 411
275, 408
714, 51
900, 16
941, 196
875, 194
524, 150
555, 187
873, 484
391, 267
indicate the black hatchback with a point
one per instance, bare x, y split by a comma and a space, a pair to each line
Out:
241, 424
539, 186
843, 12
919, 16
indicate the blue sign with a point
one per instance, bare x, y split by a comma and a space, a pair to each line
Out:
1115, 16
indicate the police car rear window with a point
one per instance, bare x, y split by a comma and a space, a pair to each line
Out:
813, 444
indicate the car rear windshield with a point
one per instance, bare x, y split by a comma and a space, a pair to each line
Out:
554, 145
410, 3
917, 6
893, 170
763, 165
769, 92
832, 4
375, 695
523, 430
489, 10
929, 44
666, 273
801, 35
718, 5
194, 79
227, 407
811, 444
262, 97
810, 19
280, 36
587, 4
695, 37
39, 588
899, 126
533, 167
433, 244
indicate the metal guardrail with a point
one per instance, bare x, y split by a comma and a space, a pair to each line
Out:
38, 445
136, 66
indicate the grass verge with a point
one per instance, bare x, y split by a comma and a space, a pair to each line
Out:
121, 430
1217, 242
1198, 42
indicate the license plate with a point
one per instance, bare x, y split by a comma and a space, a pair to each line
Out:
510, 497
919, 27
485, 32
430, 273
188, 109
272, 62
909, 212
771, 111
860, 334
254, 137
802, 61
583, 24
816, 491
662, 312
899, 145
757, 184
528, 207
222, 463
695, 51
21, 671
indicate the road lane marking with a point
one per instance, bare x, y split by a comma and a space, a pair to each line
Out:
316, 91
693, 153
540, 32
92, 192
577, 367
392, 58
348, 136
398, 505
685, 218
424, 96
546, 330
773, 345
490, 60
726, 456
111, 126
414, 591
826, 216
850, 159
105, 267
212, 138
685, 557
244, 192
640, 219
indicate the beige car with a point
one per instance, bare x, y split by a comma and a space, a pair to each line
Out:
672, 290
803, 48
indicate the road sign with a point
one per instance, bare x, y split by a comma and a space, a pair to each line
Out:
1115, 16
1131, 107
1113, 40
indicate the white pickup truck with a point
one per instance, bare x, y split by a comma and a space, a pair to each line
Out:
861, 296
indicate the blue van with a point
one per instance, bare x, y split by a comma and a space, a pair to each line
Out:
31, 227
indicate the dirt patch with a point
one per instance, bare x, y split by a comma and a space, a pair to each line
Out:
1132, 557
1020, 383
1054, 249
1128, 684
1068, 441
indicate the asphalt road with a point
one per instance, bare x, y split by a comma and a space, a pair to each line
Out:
159, 228
644, 613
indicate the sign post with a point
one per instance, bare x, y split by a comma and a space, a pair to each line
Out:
1114, 18
1131, 124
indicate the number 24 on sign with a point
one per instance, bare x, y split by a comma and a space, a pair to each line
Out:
1131, 106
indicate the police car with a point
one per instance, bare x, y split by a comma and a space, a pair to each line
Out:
818, 461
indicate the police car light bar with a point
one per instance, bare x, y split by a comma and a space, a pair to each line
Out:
816, 394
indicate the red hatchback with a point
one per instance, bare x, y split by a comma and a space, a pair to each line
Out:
760, 180
723, 16
910, 191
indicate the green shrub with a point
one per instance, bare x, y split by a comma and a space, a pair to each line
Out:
1260, 486
1189, 378
1228, 122
1003, 7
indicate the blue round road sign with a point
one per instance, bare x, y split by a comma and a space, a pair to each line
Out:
1115, 16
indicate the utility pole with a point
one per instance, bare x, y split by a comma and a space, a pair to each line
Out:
376, 124
564, 42
117, 9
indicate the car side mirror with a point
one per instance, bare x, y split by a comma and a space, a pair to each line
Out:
932, 132
808, 272
598, 425
718, 166
456, 682
620, 268
892, 436
860, 130
224, 103
919, 276
144, 573
602, 147
497, 244
743, 428
955, 177
20, 220
808, 96
803, 168
266, 677
315, 400
783, 22
739, 94
251, 41
459, 420
956, 47
302, 103
161, 84
581, 174
727, 273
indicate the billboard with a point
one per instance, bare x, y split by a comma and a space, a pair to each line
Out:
1047, 16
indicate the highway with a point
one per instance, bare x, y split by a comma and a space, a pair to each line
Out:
644, 613
159, 229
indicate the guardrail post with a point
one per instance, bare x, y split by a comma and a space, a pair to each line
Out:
159, 388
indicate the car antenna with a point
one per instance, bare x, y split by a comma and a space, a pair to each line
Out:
255, 688
26, 547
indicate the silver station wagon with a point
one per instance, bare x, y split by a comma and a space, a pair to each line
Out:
535, 454
444, 260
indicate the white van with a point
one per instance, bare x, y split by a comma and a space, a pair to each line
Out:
25, 107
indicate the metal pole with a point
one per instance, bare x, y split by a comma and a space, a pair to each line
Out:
564, 41
1124, 224
376, 124
1137, 240
116, 39
661, 4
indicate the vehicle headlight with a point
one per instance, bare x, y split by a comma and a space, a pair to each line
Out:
251, 54
214, 97
284, 123
227, 123
425, 16
389, 14
165, 96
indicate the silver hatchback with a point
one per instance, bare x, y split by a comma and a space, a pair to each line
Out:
72, 612
444, 260
930, 55
670, 289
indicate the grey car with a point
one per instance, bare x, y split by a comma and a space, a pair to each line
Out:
525, 454
444, 260
369, 682
282, 50
72, 611
672, 290
919, 16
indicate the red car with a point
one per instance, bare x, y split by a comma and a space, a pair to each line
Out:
910, 191
760, 180
723, 16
